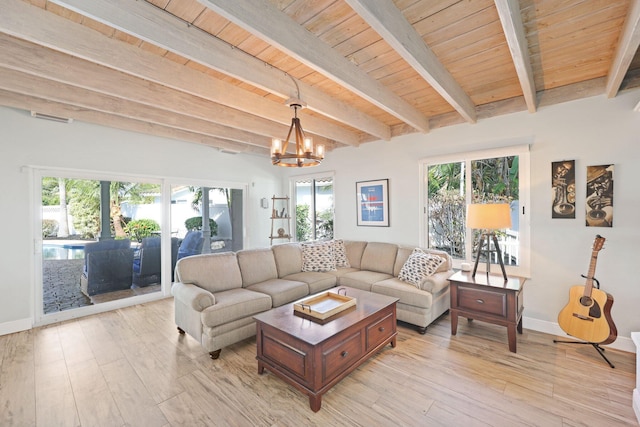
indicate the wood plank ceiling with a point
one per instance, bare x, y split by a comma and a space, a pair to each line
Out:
219, 72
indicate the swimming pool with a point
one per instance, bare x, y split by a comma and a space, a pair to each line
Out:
63, 250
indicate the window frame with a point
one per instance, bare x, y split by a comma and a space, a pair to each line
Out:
294, 202
524, 172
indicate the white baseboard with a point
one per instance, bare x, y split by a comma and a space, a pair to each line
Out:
15, 326
621, 343
636, 403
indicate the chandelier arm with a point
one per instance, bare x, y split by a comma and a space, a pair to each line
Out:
286, 141
299, 139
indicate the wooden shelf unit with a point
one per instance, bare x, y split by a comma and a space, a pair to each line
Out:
280, 219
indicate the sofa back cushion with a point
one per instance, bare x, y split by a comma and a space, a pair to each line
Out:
354, 252
213, 272
380, 257
288, 258
257, 265
405, 251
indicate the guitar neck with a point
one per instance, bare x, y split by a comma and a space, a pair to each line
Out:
588, 286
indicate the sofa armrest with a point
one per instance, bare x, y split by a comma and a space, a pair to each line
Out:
436, 282
192, 296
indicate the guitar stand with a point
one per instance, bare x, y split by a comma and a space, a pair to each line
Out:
599, 349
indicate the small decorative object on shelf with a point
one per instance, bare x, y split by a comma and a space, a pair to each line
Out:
280, 219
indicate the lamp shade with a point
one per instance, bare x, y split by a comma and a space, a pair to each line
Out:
490, 216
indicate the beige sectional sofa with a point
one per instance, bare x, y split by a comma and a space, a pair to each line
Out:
217, 295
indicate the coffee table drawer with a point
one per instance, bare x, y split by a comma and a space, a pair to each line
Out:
278, 350
484, 301
340, 354
380, 330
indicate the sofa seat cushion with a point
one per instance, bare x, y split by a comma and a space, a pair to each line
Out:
317, 281
235, 304
362, 279
405, 292
281, 291
341, 271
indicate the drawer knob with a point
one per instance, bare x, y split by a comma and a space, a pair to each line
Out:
479, 301
344, 353
381, 328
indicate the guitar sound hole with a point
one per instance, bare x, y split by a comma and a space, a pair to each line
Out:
586, 301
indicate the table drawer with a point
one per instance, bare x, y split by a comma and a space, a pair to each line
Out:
483, 301
340, 354
380, 331
280, 351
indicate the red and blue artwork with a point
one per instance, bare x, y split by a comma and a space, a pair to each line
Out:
372, 203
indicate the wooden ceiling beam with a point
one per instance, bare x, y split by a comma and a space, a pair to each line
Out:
511, 19
79, 41
387, 20
265, 21
19, 82
155, 26
29, 103
628, 43
45, 63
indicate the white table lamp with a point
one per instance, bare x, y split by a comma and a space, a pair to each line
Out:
489, 217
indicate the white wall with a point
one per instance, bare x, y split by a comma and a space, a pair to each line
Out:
28, 141
592, 131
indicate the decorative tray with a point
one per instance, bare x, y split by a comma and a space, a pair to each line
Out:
323, 307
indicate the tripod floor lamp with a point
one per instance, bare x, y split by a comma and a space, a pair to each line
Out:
489, 217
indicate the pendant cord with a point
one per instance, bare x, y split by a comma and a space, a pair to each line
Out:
295, 83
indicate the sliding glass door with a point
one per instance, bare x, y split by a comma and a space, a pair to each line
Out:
100, 240
105, 239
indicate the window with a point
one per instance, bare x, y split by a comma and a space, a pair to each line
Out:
108, 238
452, 182
313, 200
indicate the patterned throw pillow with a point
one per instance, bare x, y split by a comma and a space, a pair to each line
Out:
341, 254
318, 256
418, 267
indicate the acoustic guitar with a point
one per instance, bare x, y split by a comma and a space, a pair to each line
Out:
587, 315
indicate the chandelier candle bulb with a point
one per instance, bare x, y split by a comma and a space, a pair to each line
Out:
308, 145
276, 146
320, 151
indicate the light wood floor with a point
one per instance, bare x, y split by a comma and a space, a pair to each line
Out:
130, 367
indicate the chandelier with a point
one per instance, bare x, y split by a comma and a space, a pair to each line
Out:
304, 155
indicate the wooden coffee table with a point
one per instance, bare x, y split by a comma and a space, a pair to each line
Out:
314, 357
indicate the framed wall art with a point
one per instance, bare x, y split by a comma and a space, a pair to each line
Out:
373, 203
599, 203
563, 184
